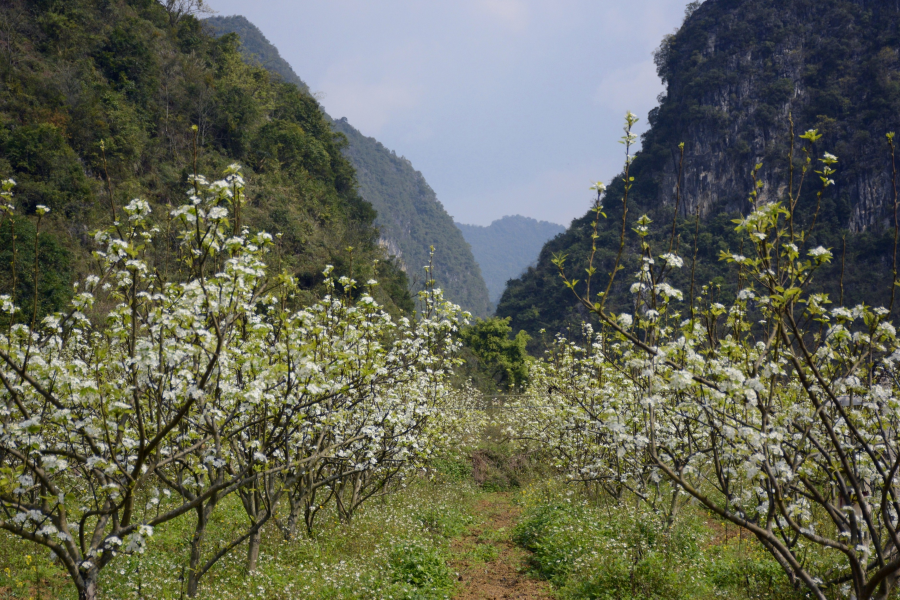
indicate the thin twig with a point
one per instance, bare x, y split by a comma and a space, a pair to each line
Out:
890, 138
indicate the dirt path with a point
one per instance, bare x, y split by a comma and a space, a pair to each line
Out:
493, 565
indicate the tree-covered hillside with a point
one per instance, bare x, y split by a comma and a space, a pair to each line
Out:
411, 220
736, 72
507, 247
410, 217
254, 46
105, 101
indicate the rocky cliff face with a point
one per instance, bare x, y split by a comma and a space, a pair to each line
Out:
737, 71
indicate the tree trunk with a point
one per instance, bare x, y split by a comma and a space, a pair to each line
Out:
885, 588
193, 580
89, 591
253, 551
296, 508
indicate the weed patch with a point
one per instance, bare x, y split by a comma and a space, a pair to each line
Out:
598, 552
422, 567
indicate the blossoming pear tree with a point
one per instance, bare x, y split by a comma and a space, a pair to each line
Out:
156, 397
777, 413
94, 404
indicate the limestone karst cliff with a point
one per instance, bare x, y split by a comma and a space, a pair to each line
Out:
738, 70
737, 73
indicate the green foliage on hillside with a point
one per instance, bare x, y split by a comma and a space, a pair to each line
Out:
507, 247
54, 271
410, 217
735, 72
255, 48
411, 220
129, 76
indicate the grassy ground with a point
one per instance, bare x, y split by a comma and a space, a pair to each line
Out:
502, 529
397, 548
601, 549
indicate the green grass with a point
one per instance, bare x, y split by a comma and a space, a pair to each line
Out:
397, 547
598, 551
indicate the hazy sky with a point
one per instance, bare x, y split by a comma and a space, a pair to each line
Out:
505, 106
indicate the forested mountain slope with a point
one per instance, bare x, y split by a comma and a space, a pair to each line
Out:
410, 217
507, 247
411, 220
254, 46
736, 72
116, 86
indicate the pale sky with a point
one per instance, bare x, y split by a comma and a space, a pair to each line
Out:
505, 106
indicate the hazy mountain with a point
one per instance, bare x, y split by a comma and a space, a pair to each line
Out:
410, 217
506, 247
411, 220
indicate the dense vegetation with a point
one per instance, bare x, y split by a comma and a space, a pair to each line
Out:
97, 107
735, 71
410, 217
507, 247
494, 360
255, 48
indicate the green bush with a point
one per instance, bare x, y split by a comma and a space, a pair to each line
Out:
619, 552
452, 469
424, 568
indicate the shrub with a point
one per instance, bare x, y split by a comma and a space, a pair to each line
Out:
424, 568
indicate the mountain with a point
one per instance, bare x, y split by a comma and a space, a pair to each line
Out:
103, 102
254, 46
737, 72
507, 247
411, 220
410, 217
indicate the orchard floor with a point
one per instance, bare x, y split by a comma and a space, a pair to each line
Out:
503, 577
434, 540
441, 538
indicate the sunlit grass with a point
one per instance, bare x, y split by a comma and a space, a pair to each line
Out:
374, 557
604, 548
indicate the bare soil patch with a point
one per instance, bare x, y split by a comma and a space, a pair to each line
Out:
498, 572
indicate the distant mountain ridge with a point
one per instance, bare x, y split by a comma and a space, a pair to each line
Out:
506, 247
410, 217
